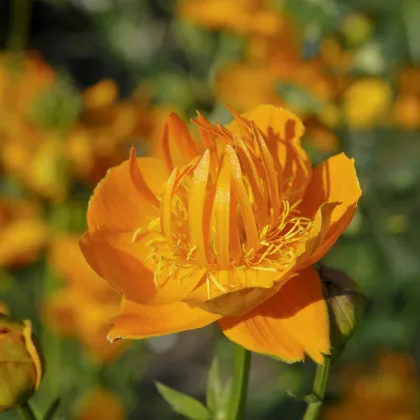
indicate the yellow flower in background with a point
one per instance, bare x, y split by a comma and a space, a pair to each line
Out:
37, 159
223, 229
99, 404
81, 308
23, 232
366, 103
391, 392
249, 17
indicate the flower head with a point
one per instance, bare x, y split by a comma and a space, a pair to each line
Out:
224, 228
388, 392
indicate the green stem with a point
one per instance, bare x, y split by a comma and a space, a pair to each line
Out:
318, 391
239, 387
20, 19
26, 412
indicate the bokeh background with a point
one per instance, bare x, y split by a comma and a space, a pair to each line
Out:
82, 81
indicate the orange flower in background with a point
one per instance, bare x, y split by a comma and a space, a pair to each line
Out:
101, 403
23, 233
106, 125
22, 80
57, 133
240, 16
223, 229
81, 309
389, 393
406, 108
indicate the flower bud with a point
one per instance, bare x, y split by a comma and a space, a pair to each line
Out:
345, 305
20, 363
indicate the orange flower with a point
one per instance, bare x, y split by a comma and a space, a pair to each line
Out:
389, 393
80, 309
240, 16
23, 233
406, 108
100, 404
223, 229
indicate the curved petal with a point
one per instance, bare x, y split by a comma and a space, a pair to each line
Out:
291, 323
124, 265
118, 202
282, 131
333, 181
139, 321
275, 122
236, 291
154, 173
175, 144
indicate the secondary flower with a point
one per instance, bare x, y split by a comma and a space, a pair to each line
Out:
101, 403
223, 229
23, 233
80, 309
240, 16
390, 392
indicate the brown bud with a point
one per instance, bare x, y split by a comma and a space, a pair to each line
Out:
345, 305
20, 363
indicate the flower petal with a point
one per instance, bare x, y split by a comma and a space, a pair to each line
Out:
175, 145
122, 263
117, 202
274, 122
154, 173
282, 131
291, 323
333, 181
140, 321
236, 291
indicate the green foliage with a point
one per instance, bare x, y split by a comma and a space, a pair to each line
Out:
184, 404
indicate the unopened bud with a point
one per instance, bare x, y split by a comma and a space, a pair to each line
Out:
345, 305
20, 363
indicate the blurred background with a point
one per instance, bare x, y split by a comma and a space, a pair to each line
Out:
82, 81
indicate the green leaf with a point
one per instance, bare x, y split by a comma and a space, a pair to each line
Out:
214, 386
411, 10
52, 410
184, 404
298, 97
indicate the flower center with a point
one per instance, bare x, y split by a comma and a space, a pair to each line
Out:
229, 209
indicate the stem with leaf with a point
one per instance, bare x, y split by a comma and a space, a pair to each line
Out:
239, 387
318, 390
26, 412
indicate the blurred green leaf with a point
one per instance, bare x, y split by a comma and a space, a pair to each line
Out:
52, 410
184, 404
214, 386
298, 97
411, 12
